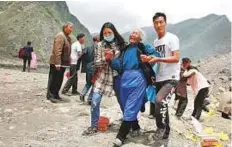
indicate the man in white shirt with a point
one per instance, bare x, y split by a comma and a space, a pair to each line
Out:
167, 44
76, 51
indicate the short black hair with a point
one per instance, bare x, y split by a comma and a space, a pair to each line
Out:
184, 60
80, 36
160, 14
29, 43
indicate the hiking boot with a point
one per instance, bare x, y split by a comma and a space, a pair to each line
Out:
90, 131
117, 142
82, 98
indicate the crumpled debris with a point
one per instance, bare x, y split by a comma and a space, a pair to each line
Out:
210, 131
211, 112
192, 137
223, 136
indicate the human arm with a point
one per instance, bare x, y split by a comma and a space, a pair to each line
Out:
58, 47
189, 73
175, 55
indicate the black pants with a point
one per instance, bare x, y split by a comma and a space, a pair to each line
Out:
183, 101
72, 81
198, 102
152, 109
165, 90
125, 128
55, 80
25, 61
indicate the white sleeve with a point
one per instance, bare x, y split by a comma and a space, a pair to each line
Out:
78, 47
174, 43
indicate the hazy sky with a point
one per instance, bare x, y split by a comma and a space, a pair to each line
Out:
129, 14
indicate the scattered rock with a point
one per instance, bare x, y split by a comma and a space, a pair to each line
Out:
224, 78
221, 89
64, 109
38, 94
11, 127
8, 110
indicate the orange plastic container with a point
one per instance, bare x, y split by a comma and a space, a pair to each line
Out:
103, 123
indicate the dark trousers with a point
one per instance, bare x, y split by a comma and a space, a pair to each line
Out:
25, 61
183, 101
72, 81
199, 101
125, 128
152, 109
165, 90
55, 80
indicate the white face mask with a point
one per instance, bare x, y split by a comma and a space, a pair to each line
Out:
109, 38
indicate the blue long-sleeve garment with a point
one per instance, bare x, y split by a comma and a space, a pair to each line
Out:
130, 60
133, 84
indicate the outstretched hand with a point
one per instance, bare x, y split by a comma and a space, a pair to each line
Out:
145, 58
154, 60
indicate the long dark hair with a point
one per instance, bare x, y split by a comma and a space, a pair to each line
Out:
118, 38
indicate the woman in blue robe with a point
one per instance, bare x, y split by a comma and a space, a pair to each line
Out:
133, 84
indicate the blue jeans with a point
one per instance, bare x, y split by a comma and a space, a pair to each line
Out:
95, 108
85, 91
88, 86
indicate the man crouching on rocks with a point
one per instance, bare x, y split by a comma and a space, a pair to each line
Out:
58, 60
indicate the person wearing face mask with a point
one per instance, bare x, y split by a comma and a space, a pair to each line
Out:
111, 42
133, 84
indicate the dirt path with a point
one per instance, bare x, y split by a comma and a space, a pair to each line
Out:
28, 119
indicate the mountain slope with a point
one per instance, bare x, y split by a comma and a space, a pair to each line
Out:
199, 38
38, 22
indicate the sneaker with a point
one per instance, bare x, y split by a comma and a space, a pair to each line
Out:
90, 131
82, 98
117, 142
151, 116
75, 93
64, 92
160, 134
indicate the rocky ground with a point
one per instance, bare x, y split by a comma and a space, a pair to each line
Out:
27, 119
